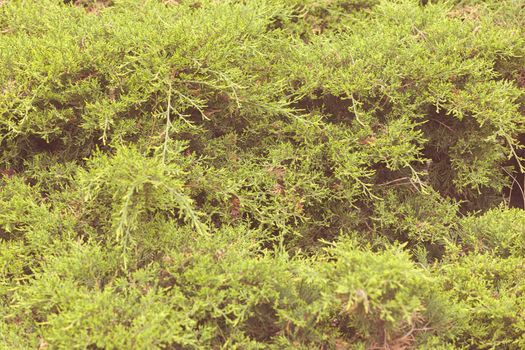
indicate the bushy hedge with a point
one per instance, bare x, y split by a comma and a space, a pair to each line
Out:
298, 174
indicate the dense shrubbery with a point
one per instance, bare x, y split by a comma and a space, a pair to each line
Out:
262, 174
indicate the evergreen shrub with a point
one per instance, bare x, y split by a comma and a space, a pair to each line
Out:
265, 174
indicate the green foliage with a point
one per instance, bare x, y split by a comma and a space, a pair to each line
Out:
488, 292
141, 188
498, 231
261, 174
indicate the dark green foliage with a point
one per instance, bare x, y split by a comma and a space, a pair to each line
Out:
262, 174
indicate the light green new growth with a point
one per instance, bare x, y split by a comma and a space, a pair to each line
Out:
263, 174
